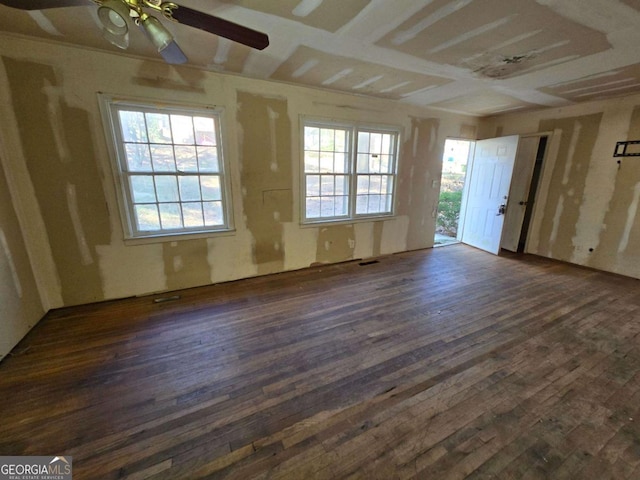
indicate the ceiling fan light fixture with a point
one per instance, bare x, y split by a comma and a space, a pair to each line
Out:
120, 41
113, 15
159, 35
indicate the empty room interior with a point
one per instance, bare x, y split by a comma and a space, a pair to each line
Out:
217, 226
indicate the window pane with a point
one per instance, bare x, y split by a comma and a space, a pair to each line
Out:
386, 144
211, 187
213, 213
208, 159
342, 185
313, 185
326, 162
205, 130
327, 140
363, 163
342, 204
189, 188
147, 217
158, 128
167, 188
374, 163
375, 142
313, 207
170, 215
361, 204
389, 184
143, 189
311, 162
341, 163
387, 203
327, 185
341, 141
138, 157
363, 184
384, 184
182, 129
133, 127
162, 156
192, 214
385, 164
375, 183
374, 204
327, 206
311, 138
186, 159
363, 142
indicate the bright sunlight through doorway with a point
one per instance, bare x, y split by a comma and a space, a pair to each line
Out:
454, 171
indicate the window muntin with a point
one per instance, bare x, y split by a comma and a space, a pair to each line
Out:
326, 172
375, 172
349, 171
170, 169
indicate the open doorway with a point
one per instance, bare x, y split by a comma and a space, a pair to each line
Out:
454, 171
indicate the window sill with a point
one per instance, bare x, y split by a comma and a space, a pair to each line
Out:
177, 237
347, 221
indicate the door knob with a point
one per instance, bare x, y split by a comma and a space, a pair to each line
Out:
501, 209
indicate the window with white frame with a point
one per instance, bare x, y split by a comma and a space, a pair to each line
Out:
170, 170
349, 171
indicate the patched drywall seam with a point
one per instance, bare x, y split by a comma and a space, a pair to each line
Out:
54, 160
419, 166
231, 257
186, 263
336, 243
378, 228
127, 270
266, 175
567, 187
600, 186
299, 242
12, 267
619, 242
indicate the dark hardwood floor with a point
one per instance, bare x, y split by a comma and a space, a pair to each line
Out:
436, 364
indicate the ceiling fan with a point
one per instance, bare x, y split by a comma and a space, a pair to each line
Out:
116, 15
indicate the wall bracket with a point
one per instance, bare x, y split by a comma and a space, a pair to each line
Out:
629, 148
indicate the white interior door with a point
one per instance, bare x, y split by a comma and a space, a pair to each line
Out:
519, 192
487, 192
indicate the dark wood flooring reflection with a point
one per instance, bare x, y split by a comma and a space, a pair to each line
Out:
436, 364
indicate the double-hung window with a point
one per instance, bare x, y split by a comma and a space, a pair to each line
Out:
169, 168
349, 171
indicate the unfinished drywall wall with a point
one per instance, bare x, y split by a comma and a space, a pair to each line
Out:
265, 171
587, 209
57, 143
418, 183
51, 92
567, 187
20, 305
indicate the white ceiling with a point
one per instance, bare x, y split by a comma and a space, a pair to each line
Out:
479, 57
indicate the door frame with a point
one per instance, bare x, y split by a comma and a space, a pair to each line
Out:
542, 191
465, 188
542, 188
471, 171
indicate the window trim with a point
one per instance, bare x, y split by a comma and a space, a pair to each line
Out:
109, 106
353, 127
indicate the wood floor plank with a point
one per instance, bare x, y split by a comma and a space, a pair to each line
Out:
444, 363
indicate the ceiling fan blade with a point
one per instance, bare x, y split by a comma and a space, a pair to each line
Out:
221, 27
173, 54
44, 4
